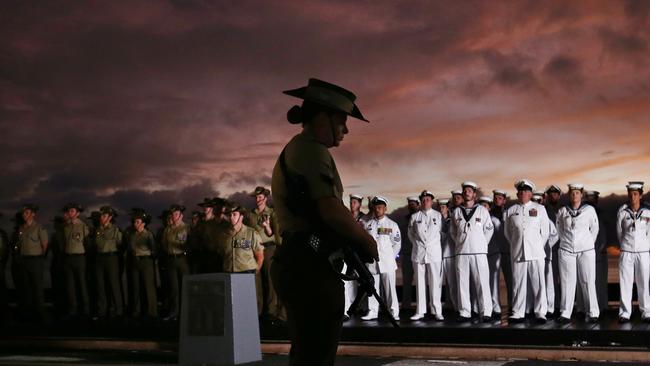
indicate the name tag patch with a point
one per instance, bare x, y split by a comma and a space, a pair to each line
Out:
532, 213
242, 244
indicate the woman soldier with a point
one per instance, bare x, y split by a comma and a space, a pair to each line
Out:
308, 202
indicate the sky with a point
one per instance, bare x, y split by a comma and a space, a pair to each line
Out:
147, 103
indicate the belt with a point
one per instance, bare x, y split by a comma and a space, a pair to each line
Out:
74, 254
106, 254
176, 255
32, 256
140, 257
268, 244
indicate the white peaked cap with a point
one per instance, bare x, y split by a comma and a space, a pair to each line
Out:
487, 199
524, 183
379, 200
469, 184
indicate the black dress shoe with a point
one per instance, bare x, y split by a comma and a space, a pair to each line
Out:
540, 321
512, 320
550, 315
592, 319
563, 320
486, 319
496, 315
623, 320
463, 319
346, 317
646, 320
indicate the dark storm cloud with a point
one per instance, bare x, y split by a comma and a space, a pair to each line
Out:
565, 70
126, 102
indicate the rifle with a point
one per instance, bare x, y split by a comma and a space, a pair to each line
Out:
366, 283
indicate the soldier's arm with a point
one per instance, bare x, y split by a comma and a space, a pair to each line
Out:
258, 250
396, 240
44, 240
337, 218
544, 229
488, 228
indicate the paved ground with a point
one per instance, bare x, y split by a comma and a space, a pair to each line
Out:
150, 359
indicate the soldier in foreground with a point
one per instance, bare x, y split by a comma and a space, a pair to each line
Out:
312, 212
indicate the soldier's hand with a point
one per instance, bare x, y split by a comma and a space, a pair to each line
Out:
266, 222
369, 249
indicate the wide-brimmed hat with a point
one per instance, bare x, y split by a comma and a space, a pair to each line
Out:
108, 210
176, 207
328, 95
260, 190
234, 207
74, 205
29, 206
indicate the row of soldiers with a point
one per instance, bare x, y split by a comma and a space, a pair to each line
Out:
222, 237
552, 256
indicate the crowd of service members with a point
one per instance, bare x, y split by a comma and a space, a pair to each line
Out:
553, 257
90, 259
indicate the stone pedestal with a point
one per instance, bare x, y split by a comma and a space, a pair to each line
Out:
219, 323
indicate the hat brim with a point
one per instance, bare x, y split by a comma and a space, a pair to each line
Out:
300, 93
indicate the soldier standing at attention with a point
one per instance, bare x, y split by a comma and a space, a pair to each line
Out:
472, 229
424, 233
31, 245
351, 286
633, 229
263, 220
243, 252
448, 258
314, 211
108, 240
140, 252
526, 227
76, 233
389, 241
174, 251
577, 226
211, 233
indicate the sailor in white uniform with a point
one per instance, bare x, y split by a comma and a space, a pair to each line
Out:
424, 232
552, 196
577, 226
472, 229
633, 229
526, 229
389, 241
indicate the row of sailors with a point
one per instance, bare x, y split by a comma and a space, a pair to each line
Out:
466, 244
219, 242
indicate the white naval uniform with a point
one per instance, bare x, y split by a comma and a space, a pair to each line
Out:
424, 232
633, 229
494, 263
526, 229
389, 241
578, 229
472, 230
449, 266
